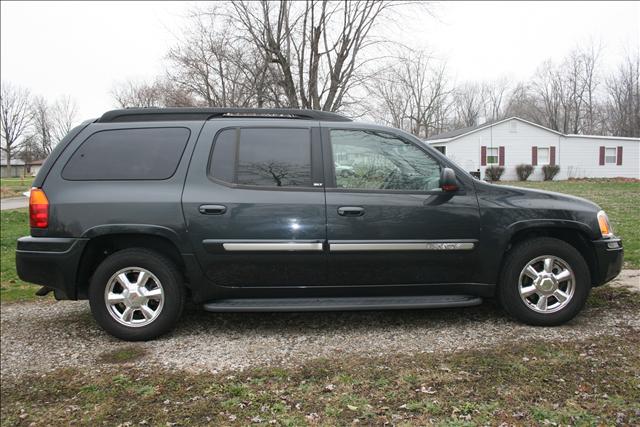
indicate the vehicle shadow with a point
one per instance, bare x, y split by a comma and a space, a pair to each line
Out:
195, 319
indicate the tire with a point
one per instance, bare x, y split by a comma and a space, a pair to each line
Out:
153, 311
538, 302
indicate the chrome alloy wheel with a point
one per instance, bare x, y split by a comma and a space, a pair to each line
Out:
134, 296
546, 284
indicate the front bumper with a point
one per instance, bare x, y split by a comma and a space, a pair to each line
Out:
609, 256
50, 261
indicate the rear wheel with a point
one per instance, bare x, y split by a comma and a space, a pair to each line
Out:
136, 294
544, 282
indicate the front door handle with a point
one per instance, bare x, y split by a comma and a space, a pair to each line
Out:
350, 211
212, 209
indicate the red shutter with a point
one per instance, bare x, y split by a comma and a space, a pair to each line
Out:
501, 156
534, 156
483, 156
619, 159
601, 156
552, 156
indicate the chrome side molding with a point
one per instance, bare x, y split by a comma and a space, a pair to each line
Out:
400, 246
272, 246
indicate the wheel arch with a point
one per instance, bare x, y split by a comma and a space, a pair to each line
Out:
574, 233
108, 240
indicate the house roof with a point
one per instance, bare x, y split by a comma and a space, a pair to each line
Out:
455, 134
14, 161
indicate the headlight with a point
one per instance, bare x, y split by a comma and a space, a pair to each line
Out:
605, 227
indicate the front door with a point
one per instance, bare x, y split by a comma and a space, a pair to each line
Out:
388, 221
254, 204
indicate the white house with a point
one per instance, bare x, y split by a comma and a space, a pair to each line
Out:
515, 141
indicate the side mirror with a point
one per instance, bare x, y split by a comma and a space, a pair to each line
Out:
448, 181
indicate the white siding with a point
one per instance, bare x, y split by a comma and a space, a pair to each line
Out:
581, 158
578, 157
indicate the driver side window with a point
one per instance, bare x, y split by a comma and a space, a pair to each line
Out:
372, 160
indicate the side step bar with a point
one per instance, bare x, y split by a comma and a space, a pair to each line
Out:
341, 304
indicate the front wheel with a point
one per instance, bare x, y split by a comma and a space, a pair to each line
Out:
136, 294
544, 282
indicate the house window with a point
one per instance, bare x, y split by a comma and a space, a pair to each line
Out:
543, 156
442, 149
492, 156
513, 126
610, 155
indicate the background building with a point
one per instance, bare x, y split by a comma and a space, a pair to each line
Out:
515, 141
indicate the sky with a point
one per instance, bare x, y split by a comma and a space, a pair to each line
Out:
81, 49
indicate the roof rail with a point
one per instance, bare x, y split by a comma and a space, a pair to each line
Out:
172, 114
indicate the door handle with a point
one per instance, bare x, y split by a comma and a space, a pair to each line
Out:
212, 209
350, 211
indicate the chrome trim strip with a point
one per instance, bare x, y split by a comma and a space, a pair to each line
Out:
402, 246
265, 247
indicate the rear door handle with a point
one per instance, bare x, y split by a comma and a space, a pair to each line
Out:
350, 211
212, 209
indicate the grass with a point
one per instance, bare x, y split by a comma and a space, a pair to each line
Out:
14, 187
618, 198
123, 355
14, 224
590, 382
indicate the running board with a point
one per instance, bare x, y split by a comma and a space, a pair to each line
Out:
341, 304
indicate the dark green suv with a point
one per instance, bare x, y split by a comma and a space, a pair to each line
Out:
294, 210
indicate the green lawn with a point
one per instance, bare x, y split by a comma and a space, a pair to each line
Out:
12, 187
15, 223
621, 201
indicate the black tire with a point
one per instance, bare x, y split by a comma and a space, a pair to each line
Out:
165, 271
519, 257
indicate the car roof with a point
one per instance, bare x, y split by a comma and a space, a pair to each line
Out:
183, 114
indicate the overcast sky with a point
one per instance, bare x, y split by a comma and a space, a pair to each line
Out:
82, 48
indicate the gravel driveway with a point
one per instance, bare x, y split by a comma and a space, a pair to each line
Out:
42, 336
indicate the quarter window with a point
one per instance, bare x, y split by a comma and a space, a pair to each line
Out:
128, 154
372, 160
262, 157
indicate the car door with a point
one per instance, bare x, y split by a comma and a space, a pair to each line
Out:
254, 203
388, 222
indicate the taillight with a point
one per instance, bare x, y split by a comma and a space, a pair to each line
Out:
38, 209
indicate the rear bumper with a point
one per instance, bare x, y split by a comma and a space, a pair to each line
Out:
609, 257
50, 261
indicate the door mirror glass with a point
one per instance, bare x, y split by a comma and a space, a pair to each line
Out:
448, 181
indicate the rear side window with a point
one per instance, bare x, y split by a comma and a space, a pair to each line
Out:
128, 154
263, 157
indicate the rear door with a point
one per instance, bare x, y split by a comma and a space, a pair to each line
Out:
254, 203
388, 222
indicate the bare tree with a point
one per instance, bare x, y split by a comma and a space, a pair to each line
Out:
15, 118
63, 117
468, 104
623, 93
160, 93
411, 93
495, 95
318, 46
39, 138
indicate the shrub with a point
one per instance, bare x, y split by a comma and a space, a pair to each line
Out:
493, 173
550, 171
524, 171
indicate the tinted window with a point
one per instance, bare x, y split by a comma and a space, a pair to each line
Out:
223, 158
373, 160
263, 157
128, 154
